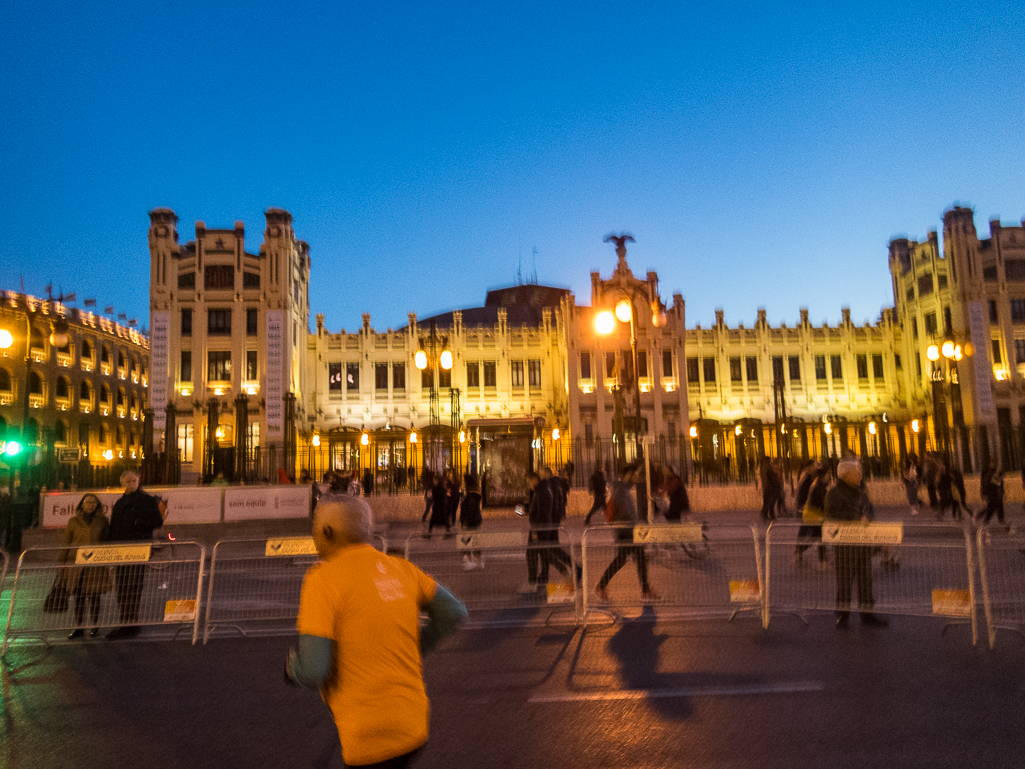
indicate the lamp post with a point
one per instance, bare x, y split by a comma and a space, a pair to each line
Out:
624, 312
431, 353
944, 381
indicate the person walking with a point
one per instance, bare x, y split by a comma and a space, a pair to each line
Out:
88, 526
439, 507
539, 516
676, 492
134, 517
813, 513
624, 516
553, 554
847, 502
470, 519
910, 476
360, 640
598, 492
991, 485
772, 488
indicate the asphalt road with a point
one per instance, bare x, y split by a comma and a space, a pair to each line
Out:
629, 694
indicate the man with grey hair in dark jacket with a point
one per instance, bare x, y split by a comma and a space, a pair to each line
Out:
847, 502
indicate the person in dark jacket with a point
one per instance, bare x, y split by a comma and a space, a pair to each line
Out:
134, 517
847, 502
817, 483
552, 554
439, 507
598, 490
88, 526
470, 519
676, 493
625, 518
991, 486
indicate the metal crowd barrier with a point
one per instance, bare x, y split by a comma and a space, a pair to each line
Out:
694, 569
917, 569
259, 580
161, 580
488, 572
1002, 570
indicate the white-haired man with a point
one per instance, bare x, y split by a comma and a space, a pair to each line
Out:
360, 639
134, 517
847, 502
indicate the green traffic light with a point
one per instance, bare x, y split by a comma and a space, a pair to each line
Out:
12, 449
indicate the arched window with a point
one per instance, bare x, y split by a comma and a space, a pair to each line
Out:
62, 387
103, 433
35, 383
121, 396
37, 339
32, 430
104, 394
120, 436
120, 359
85, 391
5, 380
105, 354
60, 432
87, 349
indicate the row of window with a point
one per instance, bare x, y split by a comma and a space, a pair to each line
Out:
62, 389
791, 364
218, 366
218, 276
218, 322
87, 353
622, 362
521, 373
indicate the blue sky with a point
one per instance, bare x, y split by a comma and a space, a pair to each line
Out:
762, 154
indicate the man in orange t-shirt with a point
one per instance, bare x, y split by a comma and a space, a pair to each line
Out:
360, 639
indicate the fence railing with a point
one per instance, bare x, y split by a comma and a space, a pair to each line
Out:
915, 569
688, 569
1002, 569
113, 585
500, 576
259, 580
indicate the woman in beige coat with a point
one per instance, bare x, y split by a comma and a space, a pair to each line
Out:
86, 583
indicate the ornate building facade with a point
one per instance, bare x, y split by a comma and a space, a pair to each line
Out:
230, 341
969, 292
78, 408
532, 379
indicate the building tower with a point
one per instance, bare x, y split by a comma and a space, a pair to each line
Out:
230, 330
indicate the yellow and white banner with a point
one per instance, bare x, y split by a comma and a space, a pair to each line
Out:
478, 540
108, 554
861, 533
285, 546
683, 532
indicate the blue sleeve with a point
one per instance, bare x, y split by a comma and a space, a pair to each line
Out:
445, 614
309, 663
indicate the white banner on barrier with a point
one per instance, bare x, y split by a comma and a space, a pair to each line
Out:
290, 546
244, 503
184, 505
684, 532
862, 533
479, 540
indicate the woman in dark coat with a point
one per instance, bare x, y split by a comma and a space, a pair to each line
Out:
88, 526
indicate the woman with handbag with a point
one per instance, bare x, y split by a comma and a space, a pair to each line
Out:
85, 583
